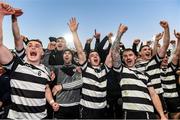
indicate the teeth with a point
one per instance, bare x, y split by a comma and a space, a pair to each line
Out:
33, 54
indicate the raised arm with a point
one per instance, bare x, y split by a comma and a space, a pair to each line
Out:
16, 33
156, 42
103, 42
176, 55
73, 26
166, 39
87, 46
135, 44
5, 54
97, 35
115, 47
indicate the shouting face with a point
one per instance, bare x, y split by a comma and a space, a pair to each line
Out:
34, 52
67, 57
146, 53
94, 59
129, 58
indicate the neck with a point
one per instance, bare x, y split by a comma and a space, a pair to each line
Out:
164, 66
34, 63
68, 63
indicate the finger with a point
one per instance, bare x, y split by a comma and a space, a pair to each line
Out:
54, 93
174, 32
77, 25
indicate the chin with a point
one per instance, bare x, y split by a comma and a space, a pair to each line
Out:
33, 59
95, 65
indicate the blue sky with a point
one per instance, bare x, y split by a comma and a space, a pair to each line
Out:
45, 18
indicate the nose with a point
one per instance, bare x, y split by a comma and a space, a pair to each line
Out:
128, 57
33, 47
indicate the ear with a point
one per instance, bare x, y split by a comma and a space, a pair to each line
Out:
42, 53
88, 60
135, 57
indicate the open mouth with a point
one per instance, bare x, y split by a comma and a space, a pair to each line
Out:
60, 46
66, 58
33, 53
129, 61
148, 54
165, 61
95, 60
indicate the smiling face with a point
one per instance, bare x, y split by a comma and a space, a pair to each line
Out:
165, 61
129, 58
67, 57
146, 53
34, 52
94, 59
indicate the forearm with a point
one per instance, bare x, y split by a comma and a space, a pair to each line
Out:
156, 101
116, 52
48, 95
103, 42
72, 85
134, 48
166, 41
97, 43
166, 38
158, 105
117, 41
78, 47
16, 34
1, 31
177, 51
155, 48
5, 54
87, 48
77, 42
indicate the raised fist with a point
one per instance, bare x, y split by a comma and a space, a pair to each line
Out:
6, 9
164, 24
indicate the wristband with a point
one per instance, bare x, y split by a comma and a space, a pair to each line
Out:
51, 102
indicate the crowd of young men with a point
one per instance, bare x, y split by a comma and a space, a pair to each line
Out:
80, 80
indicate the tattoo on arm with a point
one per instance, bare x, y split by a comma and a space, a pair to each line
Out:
116, 51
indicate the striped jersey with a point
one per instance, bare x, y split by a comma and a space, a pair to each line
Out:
134, 89
169, 82
141, 65
28, 84
152, 68
94, 89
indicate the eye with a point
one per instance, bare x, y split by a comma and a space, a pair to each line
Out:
37, 46
30, 45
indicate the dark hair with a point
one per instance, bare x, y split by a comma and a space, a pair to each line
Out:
128, 49
69, 51
72, 53
93, 50
51, 39
36, 40
143, 47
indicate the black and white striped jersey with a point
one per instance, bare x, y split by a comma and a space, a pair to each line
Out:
94, 89
169, 82
134, 88
152, 68
28, 84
